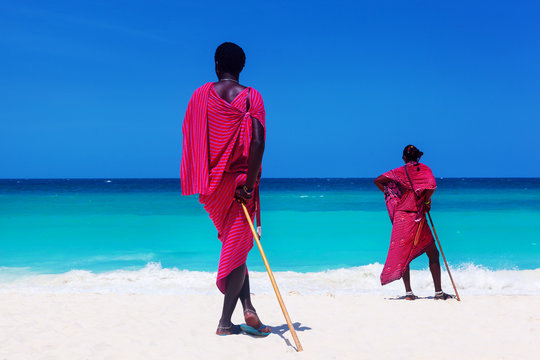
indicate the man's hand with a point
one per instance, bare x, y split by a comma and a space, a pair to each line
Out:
241, 195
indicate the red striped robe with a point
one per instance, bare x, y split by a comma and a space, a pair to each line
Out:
217, 137
407, 214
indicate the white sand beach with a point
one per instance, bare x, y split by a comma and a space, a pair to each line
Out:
123, 326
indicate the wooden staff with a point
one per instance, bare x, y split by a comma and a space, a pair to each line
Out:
417, 236
274, 284
444, 258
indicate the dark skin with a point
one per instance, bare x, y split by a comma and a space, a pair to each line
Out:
431, 251
237, 282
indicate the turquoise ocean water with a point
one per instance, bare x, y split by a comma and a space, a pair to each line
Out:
489, 229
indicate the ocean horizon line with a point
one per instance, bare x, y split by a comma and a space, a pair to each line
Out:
273, 178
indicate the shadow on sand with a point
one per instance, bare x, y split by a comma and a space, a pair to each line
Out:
418, 298
282, 329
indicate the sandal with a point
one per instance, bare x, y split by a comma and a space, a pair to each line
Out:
409, 295
233, 329
440, 295
252, 331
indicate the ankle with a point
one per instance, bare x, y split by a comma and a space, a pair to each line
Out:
248, 310
224, 324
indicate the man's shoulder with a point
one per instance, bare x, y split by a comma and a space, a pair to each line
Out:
202, 89
255, 96
425, 167
253, 90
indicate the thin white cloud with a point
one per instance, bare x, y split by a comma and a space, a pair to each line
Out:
92, 23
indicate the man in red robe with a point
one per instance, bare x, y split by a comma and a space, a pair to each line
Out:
224, 137
408, 191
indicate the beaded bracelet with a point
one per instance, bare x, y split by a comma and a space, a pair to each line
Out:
247, 190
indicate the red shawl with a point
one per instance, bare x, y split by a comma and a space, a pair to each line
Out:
217, 137
407, 212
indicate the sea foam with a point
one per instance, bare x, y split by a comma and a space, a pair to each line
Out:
154, 279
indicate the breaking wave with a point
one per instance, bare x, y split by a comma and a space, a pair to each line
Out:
154, 279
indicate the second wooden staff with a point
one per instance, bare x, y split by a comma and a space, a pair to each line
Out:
444, 258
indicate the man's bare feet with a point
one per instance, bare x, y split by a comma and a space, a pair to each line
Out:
252, 319
228, 330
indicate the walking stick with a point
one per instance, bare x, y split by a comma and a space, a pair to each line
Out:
274, 284
444, 258
417, 236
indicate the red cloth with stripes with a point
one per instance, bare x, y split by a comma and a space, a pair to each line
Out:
217, 137
408, 214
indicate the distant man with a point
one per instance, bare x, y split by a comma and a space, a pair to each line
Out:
407, 190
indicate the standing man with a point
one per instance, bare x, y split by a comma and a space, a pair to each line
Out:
407, 190
224, 137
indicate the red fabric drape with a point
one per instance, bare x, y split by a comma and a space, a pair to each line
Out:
407, 213
217, 136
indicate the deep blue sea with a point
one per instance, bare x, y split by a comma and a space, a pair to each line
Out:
54, 230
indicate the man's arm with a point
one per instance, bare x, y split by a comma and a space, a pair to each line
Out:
427, 199
381, 181
256, 151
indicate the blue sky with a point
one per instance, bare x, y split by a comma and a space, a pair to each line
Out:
99, 88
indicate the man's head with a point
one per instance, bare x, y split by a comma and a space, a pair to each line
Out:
230, 58
411, 153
